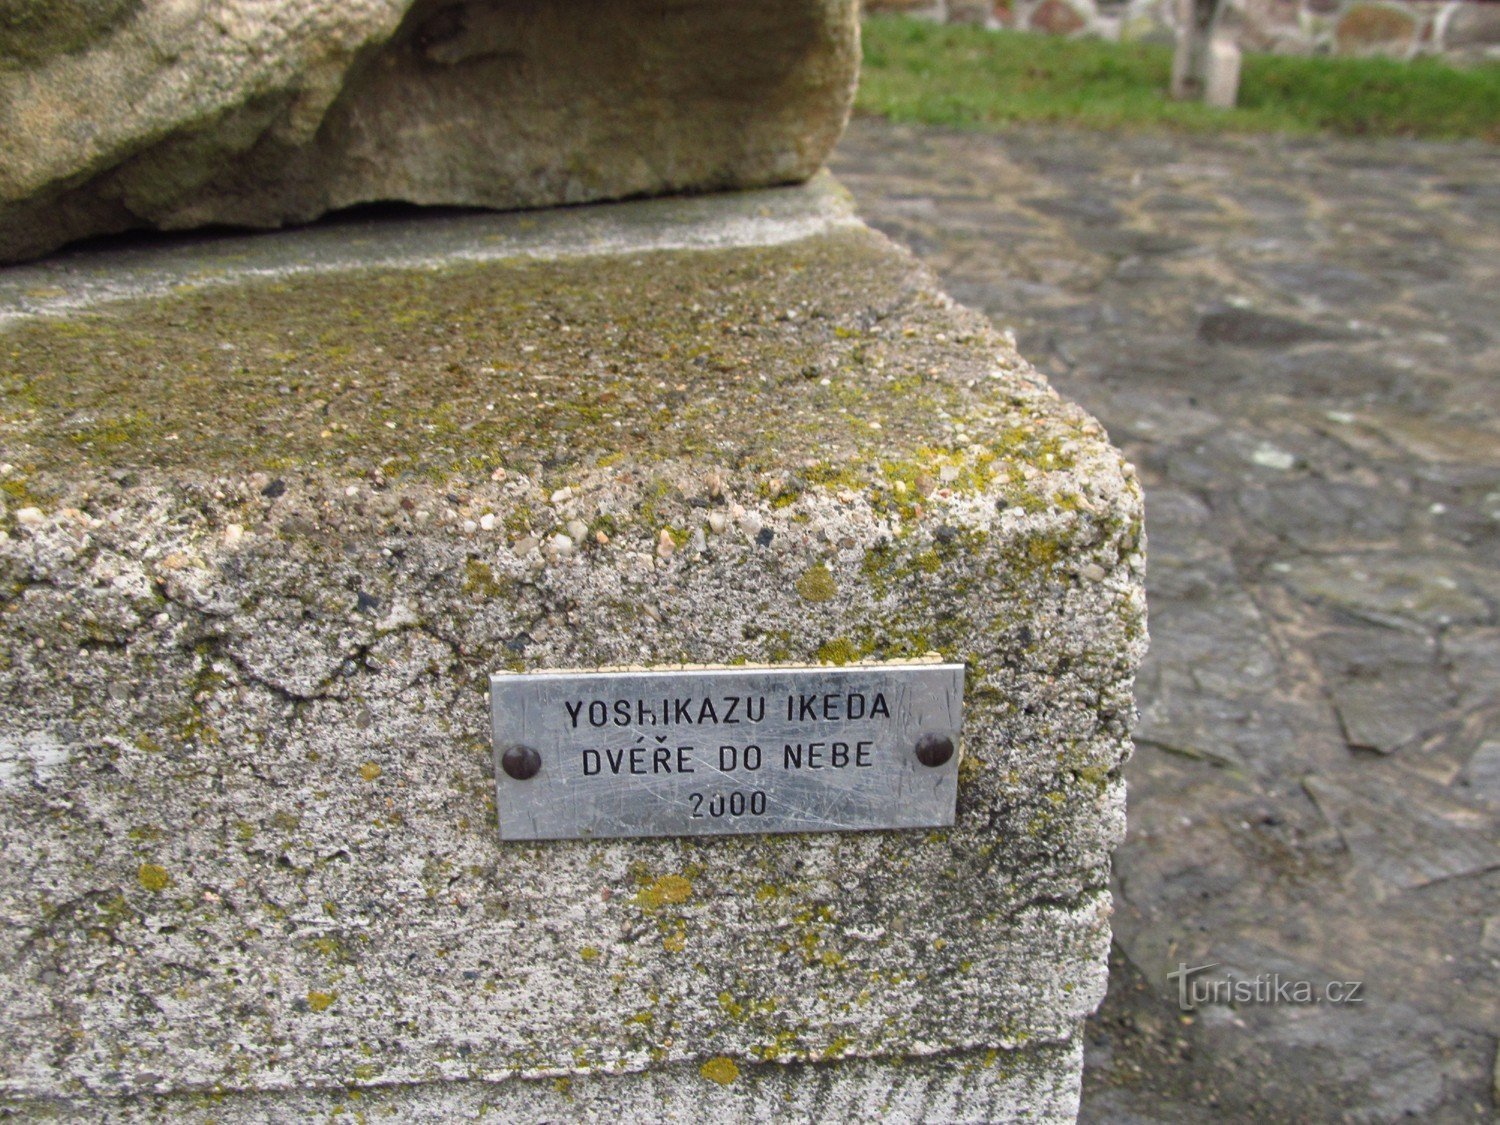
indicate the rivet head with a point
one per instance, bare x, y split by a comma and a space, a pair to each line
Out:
934, 749
521, 762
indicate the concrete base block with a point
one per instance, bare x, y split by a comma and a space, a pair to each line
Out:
269, 524
1221, 83
1037, 1084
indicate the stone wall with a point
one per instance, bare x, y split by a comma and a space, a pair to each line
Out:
1462, 31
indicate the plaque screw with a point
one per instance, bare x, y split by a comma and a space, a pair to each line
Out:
521, 762
934, 749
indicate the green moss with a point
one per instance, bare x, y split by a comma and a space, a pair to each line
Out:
117, 433
834, 476
329, 947
1042, 551
817, 584
878, 562
18, 493
189, 724
432, 388
840, 650
321, 1001
153, 877
111, 914
479, 580
837, 1048
1096, 777
653, 508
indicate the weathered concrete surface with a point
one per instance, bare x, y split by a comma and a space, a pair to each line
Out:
263, 541
72, 280
953, 1087
116, 115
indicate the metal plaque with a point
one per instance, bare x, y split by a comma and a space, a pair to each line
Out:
719, 751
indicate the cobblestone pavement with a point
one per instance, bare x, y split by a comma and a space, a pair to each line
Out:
1298, 344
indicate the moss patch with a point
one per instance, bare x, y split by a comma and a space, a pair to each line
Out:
321, 1001
155, 879
817, 584
479, 580
840, 650
477, 366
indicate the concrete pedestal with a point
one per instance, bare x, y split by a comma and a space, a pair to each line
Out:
275, 508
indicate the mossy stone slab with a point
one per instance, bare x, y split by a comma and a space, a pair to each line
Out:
263, 540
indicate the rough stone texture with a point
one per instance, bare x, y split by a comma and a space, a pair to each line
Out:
1040, 1086
119, 115
1322, 475
264, 539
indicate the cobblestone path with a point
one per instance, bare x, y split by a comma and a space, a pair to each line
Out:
1297, 342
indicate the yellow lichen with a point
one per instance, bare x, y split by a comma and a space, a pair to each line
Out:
720, 1069
369, 771
155, 879
665, 891
321, 1001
